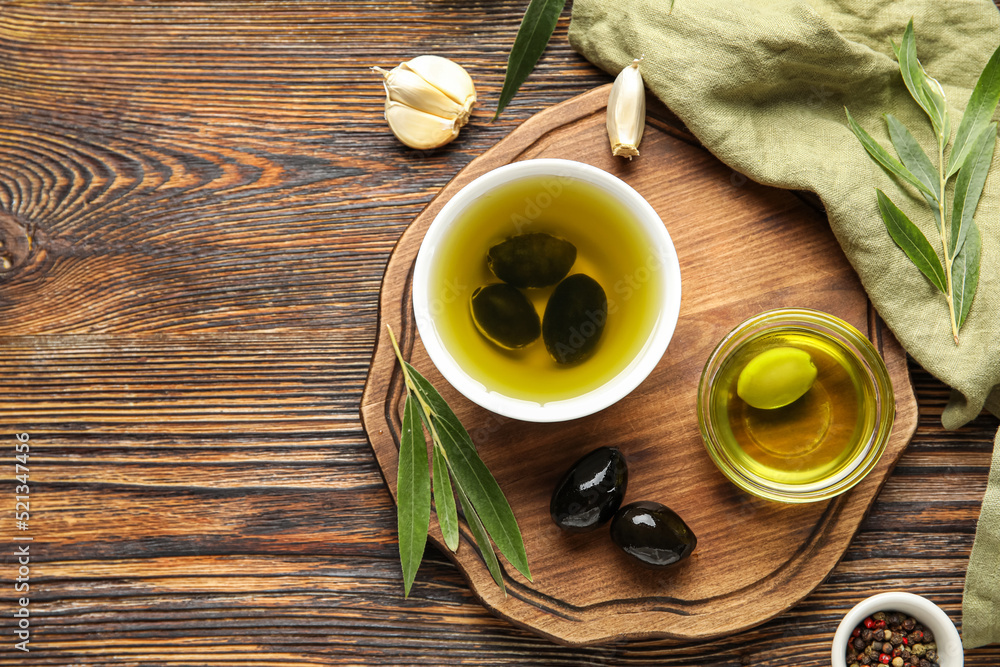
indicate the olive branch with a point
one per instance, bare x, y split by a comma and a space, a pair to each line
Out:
454, 458
970, 157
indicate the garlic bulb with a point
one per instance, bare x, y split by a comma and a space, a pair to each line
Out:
627, 112
428, 100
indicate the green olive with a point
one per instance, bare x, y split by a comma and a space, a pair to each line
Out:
776, 378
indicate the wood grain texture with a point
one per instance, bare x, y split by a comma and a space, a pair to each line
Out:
211, 197
754, 558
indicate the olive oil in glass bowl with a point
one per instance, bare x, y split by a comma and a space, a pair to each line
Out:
621, 243
820, 444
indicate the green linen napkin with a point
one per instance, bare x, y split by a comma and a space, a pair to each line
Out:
763, 84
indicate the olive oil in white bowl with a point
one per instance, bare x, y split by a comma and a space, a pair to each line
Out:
621, 243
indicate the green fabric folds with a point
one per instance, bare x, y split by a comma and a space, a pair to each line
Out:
981, 601
763, 85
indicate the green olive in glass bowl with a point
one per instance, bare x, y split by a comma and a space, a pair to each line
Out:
795, 405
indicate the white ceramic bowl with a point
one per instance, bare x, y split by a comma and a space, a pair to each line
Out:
656, 240
931, 616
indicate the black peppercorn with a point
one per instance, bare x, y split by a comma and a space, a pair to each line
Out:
892, 638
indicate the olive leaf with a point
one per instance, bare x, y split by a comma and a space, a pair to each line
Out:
482, 539
955, 272
926, 91
444, 501
455, 459
978, 112
913, 156
912, 241
882, 156
969, 186
414, 493
966, 273
533, 36
915, 159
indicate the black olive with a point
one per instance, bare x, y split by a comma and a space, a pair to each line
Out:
505, 316
574, 319
591, 491
531, 260
652, 533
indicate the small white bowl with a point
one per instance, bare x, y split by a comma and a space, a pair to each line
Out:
928, 614
656, 240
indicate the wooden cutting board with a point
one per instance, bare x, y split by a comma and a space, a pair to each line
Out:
743, 248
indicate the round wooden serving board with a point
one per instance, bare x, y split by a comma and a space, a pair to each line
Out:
744, 248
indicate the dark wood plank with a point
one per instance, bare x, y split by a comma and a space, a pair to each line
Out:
212, 196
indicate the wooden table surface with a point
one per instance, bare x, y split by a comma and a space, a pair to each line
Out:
211, 196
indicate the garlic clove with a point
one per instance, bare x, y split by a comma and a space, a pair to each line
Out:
626, 116
407, 87
419, 129
447, 76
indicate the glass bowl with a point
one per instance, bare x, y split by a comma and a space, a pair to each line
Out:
824, 442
